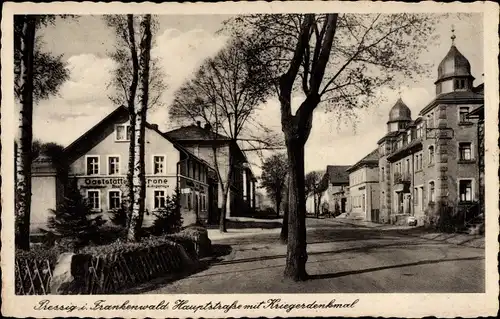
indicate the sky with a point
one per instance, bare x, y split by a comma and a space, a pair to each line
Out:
183, 42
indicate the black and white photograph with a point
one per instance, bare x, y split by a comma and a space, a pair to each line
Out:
214, 160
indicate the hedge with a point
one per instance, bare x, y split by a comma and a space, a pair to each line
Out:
102, 269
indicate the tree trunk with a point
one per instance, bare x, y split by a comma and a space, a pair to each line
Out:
139, 178
132, 116
284, 225
130, 172
138, 181
296, 246
223, 208
278, 204
25, 135
318, 202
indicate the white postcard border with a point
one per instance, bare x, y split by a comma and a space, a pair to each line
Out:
399, 305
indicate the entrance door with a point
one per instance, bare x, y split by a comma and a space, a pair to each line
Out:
343, 202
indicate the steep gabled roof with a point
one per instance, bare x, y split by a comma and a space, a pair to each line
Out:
195, 133
370, 159
119, 113
80, 145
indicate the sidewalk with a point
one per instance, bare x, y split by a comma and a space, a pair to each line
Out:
474, 241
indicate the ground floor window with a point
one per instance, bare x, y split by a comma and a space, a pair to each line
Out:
465, 190
94, 199
421, 197
432, 192
159, 199
115, 199
203, 204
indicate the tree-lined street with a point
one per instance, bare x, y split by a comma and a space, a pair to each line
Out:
343, 258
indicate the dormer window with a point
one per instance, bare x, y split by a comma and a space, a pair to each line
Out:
122, 132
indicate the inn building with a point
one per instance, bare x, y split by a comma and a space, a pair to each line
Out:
98, 160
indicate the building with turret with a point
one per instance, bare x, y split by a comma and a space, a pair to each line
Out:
432, 159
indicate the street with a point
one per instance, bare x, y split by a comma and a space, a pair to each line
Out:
343, 258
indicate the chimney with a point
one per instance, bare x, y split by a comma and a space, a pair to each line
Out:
198, 123
208, 127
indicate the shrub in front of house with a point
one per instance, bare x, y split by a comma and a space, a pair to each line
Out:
168, 219
118, 217
73, 222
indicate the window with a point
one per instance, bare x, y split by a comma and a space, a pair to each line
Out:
432, 192
408, 166
421, 196
158, 164
189, 201
113, 165
115, 199
159, 197
420, 128
431, 154
415, 196
462, 114
459, 84
94, 199
383, 174
408, 136
123, 132
465, 151
465, 190
92, 163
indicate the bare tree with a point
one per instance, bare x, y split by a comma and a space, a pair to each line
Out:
138, 177
312, 185
38, 75
125, 85
273, 179
338, 60
225, 93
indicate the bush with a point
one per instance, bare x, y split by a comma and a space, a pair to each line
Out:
73, 220
197, 235
120, 246
168, 219
119, 217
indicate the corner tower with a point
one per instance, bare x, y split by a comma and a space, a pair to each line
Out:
399, 116
454, 71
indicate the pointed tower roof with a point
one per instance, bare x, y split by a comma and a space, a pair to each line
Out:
454, 63
399, 112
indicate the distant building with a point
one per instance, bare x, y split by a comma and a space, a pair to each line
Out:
98, 160
364, 190
201, 142
433, 158
334, 190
